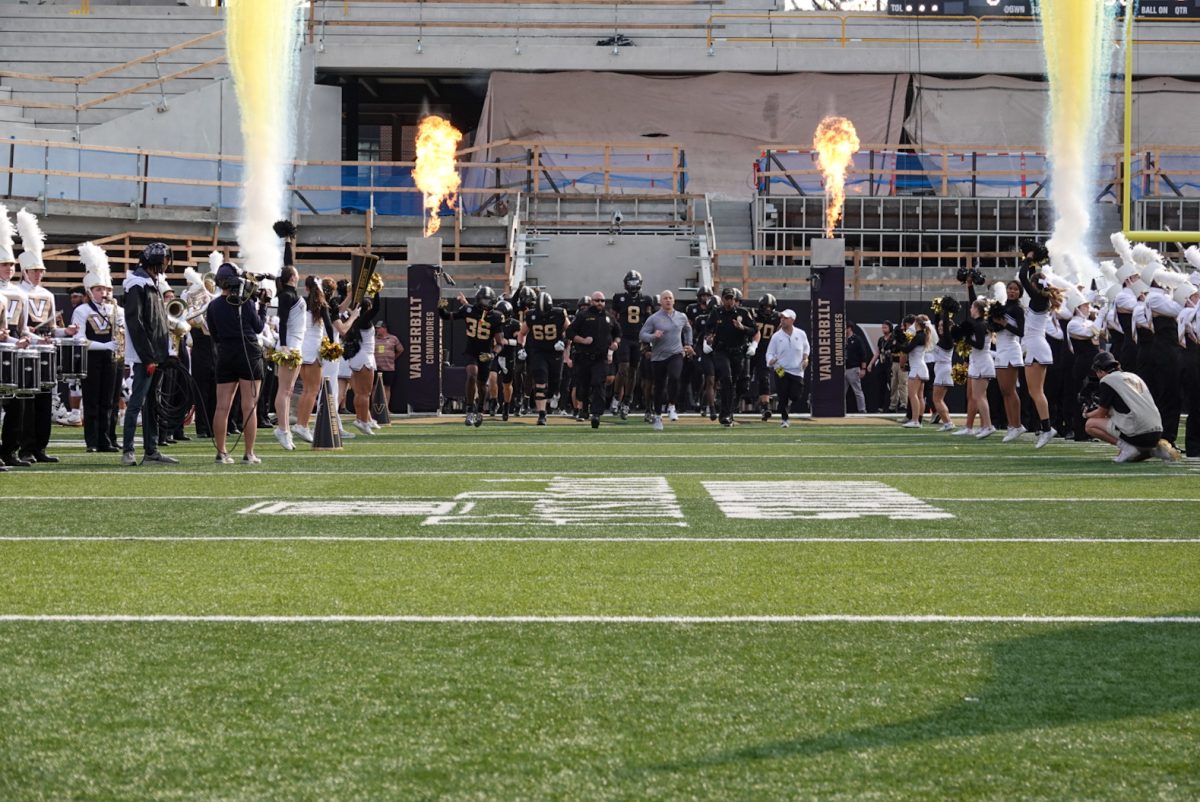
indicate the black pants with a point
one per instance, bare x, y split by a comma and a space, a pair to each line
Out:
15, 410
1057, 377
590, 374
1191, 389
728, 367
666, 381
1081, 368
204, 374
1162, 376
98, 399
791, 391
35, 429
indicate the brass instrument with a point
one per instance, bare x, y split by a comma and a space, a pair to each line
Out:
176, 311
362, 268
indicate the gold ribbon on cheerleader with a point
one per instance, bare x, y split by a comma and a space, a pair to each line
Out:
362, 277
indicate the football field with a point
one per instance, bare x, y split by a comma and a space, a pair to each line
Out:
826, 612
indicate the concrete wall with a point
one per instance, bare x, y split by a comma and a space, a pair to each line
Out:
577, 264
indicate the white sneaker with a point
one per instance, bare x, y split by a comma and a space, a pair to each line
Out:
1013, 434
946, 427
784, 425
345, 434
303, 432
964, 431
1045, 437
672, 415
1127, 451
363, 427
911, 424
985, 433
285, 439
1166, 452
657, 424
374, 424
75, 418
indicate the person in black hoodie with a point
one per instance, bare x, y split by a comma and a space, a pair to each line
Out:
146, 338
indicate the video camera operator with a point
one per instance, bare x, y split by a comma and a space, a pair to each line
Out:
235, 322
146, 343
1124, 413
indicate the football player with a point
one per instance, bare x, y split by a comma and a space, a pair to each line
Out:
485, 336
631, 309
766, 320
504, 365
542, 341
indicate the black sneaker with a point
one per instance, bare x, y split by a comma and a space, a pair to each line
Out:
504, 412
541, 421
595, 422
478, 419
766, 414
40, 456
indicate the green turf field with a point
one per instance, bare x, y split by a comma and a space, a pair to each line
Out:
514, 613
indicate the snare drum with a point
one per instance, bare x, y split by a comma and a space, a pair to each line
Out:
72, 358
47, 366
8, 370
27, 373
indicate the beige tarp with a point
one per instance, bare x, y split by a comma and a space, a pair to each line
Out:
721, 120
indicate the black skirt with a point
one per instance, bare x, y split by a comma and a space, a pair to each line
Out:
238, 360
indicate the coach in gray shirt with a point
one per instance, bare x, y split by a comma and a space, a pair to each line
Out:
670, 337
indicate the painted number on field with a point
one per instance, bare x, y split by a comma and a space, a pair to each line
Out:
793, 500
646, 501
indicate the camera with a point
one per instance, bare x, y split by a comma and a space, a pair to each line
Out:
617, 218
1089, 394
971, 274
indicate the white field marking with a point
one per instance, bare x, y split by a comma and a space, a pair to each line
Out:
650, 454
549, 539
598, 619
823, 501
563, 501
340, 497
237, 473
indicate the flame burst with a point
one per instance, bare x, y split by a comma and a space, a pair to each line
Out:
437, 141
835, 143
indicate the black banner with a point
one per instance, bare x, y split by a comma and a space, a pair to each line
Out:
423, 350
828, 362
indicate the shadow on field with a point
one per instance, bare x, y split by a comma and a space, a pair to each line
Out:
1085, 674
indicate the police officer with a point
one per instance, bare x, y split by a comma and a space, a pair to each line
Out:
596, 336
732, 336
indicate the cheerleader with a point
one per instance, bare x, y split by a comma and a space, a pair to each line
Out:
293, 336
1044, 300
1007, 320
918, 337
1083, 336
980, 368
322, 324
943, 361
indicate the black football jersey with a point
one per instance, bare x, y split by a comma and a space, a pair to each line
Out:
482, 325
631, 310
766, 323
545, 328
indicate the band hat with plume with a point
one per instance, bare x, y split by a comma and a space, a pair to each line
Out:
1148, 261
195, 282
1108, 270
1124, 249
1192, 255
999, 292
95, 262
32, 241
6, 236
163, 286
215, 260
1074, 299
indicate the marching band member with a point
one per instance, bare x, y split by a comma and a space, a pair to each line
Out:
1160, 368
147, 333
204, 361
41, 318
1039, 357
1189, 324
1083, 335
96, 321
235, 323
293, 328
12, 331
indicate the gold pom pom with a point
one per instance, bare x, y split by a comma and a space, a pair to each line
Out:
329, 350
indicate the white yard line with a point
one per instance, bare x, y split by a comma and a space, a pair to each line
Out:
598, 619
551, 539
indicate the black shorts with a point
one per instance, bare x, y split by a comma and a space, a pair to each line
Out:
482, 360
545, 369
505, 374
763, 376
238, 361
628, 352
389, 376
1147, 440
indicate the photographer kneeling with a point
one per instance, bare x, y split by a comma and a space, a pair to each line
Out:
1125, 414
235, 324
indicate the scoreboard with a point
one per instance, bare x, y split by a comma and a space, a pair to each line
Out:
1153, 9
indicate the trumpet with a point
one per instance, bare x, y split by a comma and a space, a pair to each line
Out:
176, 308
